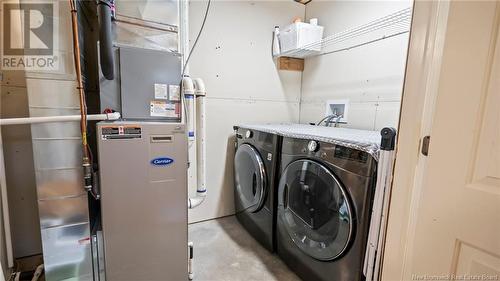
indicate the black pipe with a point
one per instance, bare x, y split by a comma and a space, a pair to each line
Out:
105, 40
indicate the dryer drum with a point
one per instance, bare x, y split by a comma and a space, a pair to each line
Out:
314, 209
250, 178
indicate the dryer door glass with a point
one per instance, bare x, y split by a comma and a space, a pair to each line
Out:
249, 178
314, 209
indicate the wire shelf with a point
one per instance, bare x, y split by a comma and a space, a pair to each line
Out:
386, 27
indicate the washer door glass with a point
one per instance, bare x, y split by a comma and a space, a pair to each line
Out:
314, 210
250, 178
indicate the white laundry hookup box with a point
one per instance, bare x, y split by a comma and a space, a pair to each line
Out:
301, 35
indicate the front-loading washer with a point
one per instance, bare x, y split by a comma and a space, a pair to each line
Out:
255, 179
324, 203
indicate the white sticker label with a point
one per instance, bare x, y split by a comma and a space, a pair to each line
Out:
161, 108
174, 92
269, 157
161, 91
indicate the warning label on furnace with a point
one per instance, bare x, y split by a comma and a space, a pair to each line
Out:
120, 132
161, 91
160, 108
174, 92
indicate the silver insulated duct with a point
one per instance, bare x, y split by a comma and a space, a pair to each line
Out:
62, 199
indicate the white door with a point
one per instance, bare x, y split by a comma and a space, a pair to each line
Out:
457, 230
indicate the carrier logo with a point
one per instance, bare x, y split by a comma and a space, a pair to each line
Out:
162, 161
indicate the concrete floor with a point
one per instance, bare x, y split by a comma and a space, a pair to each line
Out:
224, 251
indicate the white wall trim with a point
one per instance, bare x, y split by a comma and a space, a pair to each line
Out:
419, 100
437, 32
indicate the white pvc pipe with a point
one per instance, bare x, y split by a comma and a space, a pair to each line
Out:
63, 118
5, 208
190, 261
3, 181
194, 202
188, 92
201, 136
201, 190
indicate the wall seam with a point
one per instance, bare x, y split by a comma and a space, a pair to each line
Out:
302, 75
252, 100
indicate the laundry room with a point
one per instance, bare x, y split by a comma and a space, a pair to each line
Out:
234, 140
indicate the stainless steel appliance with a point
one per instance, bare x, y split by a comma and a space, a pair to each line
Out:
255, 173
324, 203
144, 200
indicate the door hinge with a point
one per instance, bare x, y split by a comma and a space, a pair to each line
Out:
425, 145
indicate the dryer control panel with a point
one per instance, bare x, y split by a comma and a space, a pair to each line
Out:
350, 159
350, 154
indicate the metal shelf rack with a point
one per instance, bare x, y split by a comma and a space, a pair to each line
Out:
392, 25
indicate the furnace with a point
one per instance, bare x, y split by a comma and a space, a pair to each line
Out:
144, 200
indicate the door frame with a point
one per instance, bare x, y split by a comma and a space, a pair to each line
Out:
420, 90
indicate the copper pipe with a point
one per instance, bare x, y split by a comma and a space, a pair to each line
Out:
83, 105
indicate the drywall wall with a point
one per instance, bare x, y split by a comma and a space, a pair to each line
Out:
233, 56
370, 76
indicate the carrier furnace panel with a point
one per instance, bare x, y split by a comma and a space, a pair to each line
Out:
144, 200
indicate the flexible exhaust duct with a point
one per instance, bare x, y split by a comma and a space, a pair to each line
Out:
104, 10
